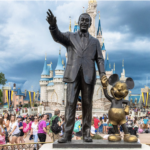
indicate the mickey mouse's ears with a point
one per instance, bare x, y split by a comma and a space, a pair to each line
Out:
130, 83
113, 79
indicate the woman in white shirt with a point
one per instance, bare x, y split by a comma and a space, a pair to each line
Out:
14, 130
6, 119
34, 131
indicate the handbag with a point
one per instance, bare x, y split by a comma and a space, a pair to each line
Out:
2, 140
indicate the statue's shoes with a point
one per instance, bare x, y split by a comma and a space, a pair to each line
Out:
130, 138
87, 139
114, 138
65, 139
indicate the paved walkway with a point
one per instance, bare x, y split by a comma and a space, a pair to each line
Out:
144, 138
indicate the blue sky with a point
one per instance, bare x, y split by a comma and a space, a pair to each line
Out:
25, 37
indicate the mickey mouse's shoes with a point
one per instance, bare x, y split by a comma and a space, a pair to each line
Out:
130, 138
114, 138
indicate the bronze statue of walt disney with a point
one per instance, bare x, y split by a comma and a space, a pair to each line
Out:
83, 51
116, 112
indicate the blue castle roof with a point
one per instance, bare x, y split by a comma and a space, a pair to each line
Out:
27, 96
44, 79
133, 97
50, 84
76, 27
58, 76
103, 47
59, 63
45, 69
99, 27
19, 93
15, 90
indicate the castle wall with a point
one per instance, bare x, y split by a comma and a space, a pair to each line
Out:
59, 89
43, 96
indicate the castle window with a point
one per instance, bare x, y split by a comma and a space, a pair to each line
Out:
63, 102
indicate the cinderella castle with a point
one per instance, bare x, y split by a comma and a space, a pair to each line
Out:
52, 87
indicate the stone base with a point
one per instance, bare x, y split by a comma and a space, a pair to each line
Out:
50, 147
95, 144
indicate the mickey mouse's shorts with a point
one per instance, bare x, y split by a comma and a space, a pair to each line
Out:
117, 116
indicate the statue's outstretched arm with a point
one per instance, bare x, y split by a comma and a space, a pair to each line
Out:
58, 36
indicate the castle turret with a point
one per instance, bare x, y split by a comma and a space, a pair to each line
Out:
99, 32
51, 70
108, 69
45, 72
44, 81
70, 26
92, 12
58, 80
123, 77
107, 64
103, 50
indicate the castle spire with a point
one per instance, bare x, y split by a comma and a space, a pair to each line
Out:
59, 62
45, 70
92, 1
70, 25
108, 64
99, 25
51, 66
123, 63
83, 9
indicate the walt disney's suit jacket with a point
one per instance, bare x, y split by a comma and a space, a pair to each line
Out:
79, 56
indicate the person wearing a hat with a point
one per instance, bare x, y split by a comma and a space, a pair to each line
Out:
20, 124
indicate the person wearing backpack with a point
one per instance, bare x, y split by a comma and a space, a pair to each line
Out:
55, 125
78, 128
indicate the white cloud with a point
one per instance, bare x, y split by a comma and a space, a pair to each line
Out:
119, 41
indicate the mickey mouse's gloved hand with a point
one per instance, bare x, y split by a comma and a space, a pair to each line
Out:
126, 109
104, 81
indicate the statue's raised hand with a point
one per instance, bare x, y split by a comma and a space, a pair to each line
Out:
50, 18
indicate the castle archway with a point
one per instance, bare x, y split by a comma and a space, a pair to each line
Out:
54, 97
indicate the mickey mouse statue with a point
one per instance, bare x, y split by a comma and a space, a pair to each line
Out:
117, 114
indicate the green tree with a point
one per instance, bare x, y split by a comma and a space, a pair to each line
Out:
2, 79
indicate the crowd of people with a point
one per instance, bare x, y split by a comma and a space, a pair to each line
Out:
16, 128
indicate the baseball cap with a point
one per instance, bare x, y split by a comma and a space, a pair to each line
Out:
19, 117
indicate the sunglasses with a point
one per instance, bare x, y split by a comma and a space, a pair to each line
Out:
35, 118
